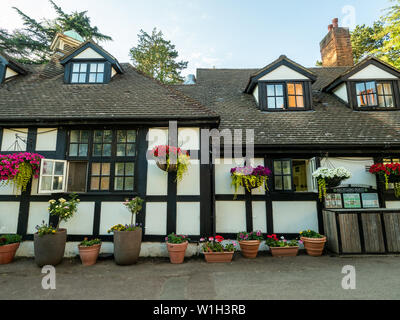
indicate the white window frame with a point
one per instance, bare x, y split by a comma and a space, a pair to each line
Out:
312, 182
40, 190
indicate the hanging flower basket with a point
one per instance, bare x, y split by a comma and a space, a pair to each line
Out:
18, 169
181, 160
330, 178
250, 178
388, 173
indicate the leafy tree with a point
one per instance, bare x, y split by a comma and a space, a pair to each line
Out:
156, 57
31, 44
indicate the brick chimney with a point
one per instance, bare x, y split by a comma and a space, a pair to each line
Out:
336, 50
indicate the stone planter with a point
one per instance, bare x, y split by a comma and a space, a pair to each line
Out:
49, 249
127, 246
177, 252
284, 251
249, 248
314, 246
7, 252
171, 168
89, 255
218, 257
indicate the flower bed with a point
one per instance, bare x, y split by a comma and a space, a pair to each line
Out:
250, 177
330, 178
171, 158
18, 169
389, 173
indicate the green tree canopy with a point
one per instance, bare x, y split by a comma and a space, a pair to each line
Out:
31, 44
156, 57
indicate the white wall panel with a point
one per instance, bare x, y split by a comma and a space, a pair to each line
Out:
223, 176
341, 92
9, 217
89, 53
190, 184
157, 180
230, 216
113, 213
259, 216
283, 73
11, 143
8, 190
156, 137
46, 139
38, 213
189, 138
372, 72
294, 216
188, 218
356, 166
82, 221
156, 218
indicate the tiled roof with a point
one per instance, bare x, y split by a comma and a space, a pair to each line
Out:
330, 123
42, 95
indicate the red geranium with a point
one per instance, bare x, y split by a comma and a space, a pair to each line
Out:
219, 238
165, 151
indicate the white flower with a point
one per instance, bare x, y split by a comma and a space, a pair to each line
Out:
323, 173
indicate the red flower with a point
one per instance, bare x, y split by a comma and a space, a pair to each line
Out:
219, 238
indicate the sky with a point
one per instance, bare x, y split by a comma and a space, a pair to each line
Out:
213, 33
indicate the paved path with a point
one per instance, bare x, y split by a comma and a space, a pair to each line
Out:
302, 277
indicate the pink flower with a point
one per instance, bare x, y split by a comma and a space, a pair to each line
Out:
210, 239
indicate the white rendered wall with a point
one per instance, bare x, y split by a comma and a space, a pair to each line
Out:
190, 184
294, 216
356, 166
189, 138
156, 137
10, 142
46, 139
223, 176
259, 216
372, 72
8, 190
284, 73
156, 218
157, 180
38, 213
113, 213
230, 216
341, 92
82, 221
188, 218
9, 216
89, 53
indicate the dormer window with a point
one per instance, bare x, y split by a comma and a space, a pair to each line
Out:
374, 94
282, 96
87, 72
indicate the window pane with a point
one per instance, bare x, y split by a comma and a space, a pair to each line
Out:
105, 169
75, 67
129, 183
92, 77
83, 67
278, 183
129, 169
93, 67
360, 88
107, 136
287, 180
82, 77
370, 87
270, 90
380, 88
97, 150
362, 101
119, 169
299, 89
98, 136
271, 103
74, 135
100, 67
131, 135
120, 150
290, 88
94, 183
286, 167
75, 77
300, 101
388, 88
58, 183
105, 183
100, 78
107, 150
119, 183
46, 183
280, 104
96, 169
83, 150
381, 101
121, 136
84, 136
59, 168
279, 90
389, 101
48, 167
73, 150
292, 101
130, 150
372, 100
277, 167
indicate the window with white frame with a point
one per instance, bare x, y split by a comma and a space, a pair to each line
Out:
52, 176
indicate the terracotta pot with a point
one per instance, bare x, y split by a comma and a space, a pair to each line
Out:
7, 252
314, 246
177, 252
49, 249
218, 257
127, 246
249, 248
163, 167
284, 251
89, 254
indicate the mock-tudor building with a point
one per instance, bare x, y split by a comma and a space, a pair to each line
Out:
95, 119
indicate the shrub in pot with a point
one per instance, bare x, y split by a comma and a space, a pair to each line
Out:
177, 245
128, 238
49, 241
215, 251
282, 247
249, 243
314, 243
9, 245
89, 251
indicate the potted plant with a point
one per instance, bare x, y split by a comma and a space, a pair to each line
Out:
89, 251
9, 245
172, 159
177, 245
250, 178
249, 243
330, 178
388, 173
18, 169
217, 252
282, 247
314, 243
49, 242
128, 238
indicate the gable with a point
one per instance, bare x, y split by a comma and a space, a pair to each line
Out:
10, 73
372, 72
283, 73
89, 53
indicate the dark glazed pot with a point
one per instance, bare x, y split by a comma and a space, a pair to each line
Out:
49, 249
127, 246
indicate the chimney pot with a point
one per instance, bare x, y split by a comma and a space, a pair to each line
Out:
330, 27
335, 23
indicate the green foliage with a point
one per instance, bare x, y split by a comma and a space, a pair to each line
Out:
89, 243
254, 235
31, 44
365, 40
272, 241
64, 209
9, 239
134, 206
310, 234
216, 245
23, 177
156, 57
120, 227
177, 239
249, 182
45, 229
